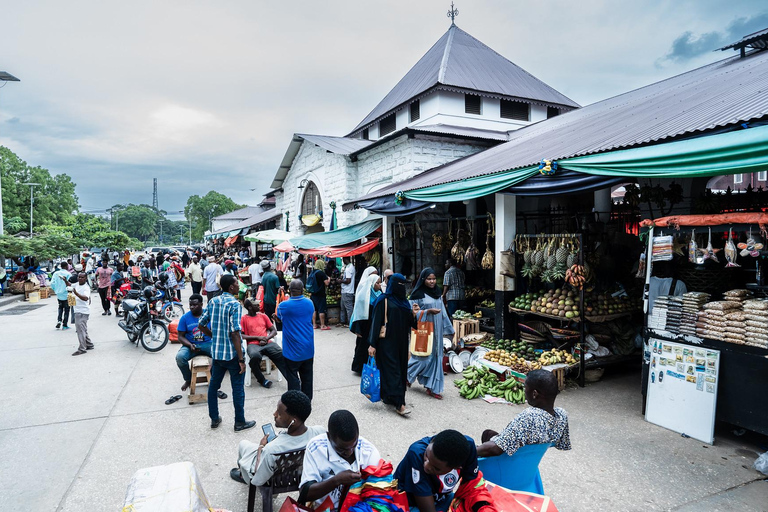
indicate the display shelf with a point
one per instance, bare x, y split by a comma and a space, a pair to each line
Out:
602, 362
593, 319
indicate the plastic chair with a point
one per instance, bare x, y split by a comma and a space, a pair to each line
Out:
520, 472
285, 479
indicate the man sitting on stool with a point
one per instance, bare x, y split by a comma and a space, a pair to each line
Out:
259, 332
193, 341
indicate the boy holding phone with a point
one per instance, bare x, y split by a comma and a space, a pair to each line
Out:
256, 461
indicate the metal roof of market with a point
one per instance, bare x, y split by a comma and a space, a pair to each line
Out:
459, 61
723, 94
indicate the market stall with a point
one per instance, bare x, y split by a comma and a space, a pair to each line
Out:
724, 311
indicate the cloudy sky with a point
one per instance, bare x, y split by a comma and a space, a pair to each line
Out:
205, 94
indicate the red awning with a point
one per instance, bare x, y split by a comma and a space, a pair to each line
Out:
229, 241
331, 252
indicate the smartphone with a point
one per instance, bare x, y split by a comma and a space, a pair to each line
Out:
269, 431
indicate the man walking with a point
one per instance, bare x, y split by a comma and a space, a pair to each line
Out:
59, 283
453, 287
271, 284
104, 281
255, 271
298, 338
221, 321
195, 273
82, 311
211, 276
347, 292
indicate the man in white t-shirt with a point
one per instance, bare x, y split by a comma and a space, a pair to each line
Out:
211, 276
333, 461
347, 292
82, 311
255, 271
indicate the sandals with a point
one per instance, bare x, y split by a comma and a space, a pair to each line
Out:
405, 412
325, 328
173, 399
434, 395
222, 395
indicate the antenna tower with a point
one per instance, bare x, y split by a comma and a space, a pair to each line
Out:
154, 194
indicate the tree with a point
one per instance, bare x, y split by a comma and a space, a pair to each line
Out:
139, 221
55, 198
202, 209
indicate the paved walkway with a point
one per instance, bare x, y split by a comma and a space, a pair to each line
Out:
75, 429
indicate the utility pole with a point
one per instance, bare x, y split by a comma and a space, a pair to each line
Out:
189, 220
31, 203
4, 77
161, 230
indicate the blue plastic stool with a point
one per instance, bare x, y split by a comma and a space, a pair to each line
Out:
520, 472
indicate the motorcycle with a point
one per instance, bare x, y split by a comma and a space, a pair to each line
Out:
142, 322
170, 307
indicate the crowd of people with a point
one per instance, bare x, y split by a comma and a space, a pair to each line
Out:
238, 330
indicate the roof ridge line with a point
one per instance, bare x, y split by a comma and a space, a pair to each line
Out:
446, 54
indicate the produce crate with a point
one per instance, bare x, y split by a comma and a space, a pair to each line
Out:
332, 314
45, 292
464, 327
559, 371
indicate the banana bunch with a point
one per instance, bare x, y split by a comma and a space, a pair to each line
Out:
555, 356
480, 381
576, 276
437, 244
372, 258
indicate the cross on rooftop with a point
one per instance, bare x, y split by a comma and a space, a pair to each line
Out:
452, 14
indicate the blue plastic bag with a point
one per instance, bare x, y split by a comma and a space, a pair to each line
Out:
370, 384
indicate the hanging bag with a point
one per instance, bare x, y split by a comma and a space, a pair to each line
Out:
370, 383
312, 282
383, 330
71, 299
422, 337
260, 298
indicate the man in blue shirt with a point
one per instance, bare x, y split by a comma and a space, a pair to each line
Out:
59, 283
193, 341
221, 321
434, 468
298, 338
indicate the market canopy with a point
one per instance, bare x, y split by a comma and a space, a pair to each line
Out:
269, 236
342, 252
337, 238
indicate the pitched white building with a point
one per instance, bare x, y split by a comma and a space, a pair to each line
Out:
460, 98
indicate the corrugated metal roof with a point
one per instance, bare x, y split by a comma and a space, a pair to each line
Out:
756, 39
462, 131
724, 93
457, 59
255, 220
241, 213
338, 145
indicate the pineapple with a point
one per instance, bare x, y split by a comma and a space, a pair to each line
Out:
562, 253
538, 256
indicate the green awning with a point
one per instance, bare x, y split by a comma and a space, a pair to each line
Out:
338, 237
472, 188
742, 151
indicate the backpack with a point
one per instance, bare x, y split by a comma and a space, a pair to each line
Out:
312, 282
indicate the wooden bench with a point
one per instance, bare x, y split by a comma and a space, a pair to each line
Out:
201, 374
286, 478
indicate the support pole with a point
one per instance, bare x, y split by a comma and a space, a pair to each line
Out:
506, 229
387, 261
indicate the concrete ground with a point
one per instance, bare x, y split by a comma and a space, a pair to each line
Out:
75, 429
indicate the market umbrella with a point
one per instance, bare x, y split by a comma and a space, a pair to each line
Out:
269, 236
284, 247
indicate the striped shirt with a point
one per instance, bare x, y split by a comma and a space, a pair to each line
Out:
454, 280
222, 315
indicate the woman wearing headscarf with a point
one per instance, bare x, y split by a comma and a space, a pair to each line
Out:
429, 369
393, 311
368, 289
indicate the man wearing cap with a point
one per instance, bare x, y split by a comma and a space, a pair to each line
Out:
211, 276
271, 284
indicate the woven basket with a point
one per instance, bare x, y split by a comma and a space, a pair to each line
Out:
16, 288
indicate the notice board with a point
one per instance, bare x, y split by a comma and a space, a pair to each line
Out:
682, 388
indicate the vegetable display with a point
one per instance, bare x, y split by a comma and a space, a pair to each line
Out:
479, 381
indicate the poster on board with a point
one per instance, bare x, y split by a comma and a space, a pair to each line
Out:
682, 388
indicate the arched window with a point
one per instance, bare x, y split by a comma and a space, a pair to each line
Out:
311, 202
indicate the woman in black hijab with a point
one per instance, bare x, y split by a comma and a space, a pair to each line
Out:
391, 351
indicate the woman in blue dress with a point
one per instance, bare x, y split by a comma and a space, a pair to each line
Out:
428, 370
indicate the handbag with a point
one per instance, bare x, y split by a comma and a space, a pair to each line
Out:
370, 382
383, 330
422, 337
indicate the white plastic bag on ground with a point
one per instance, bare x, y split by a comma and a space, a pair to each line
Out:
761, 464
172, 488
